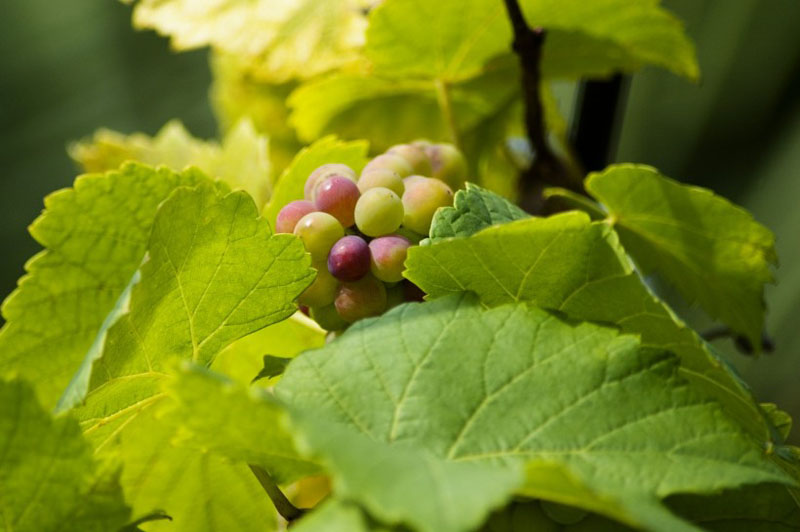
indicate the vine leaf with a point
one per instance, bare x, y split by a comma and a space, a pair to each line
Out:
273, 366
324, 151
241, 160
473, 209
570, 264
452, 401
49, 479
95, 235
281, 41
714, 252
337, 516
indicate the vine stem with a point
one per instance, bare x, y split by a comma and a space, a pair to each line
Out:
547, 168
446, 105
287, 510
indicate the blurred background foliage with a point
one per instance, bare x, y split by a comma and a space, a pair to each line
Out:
67, 69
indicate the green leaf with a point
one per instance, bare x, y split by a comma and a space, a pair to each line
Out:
564, 199
438, 396
273, 366
473, 209
245, 358
95, 235
324, 151
711, 250
241, 160
605, 36
336, 516
48, 478
297, 39
781, 420
247, 426
449, 41
570, 264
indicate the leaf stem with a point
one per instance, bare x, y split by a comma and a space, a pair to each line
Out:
446, 105
547, 168
287, 510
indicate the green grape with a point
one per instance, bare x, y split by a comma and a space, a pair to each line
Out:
319, 231
322, 291
416, 157
390, 161
410, 180
361, 299
448, 164
565, 515
379, 212
328, 318
420, 201
381, 177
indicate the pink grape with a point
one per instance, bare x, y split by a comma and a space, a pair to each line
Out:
324, 172
319, 231
291, 213
381, 177
338, 196
416, 157
388, 255
390, 161
349, 258
421, 200
361, 299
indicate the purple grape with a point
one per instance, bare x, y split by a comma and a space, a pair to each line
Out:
349, 258
338, 196
291, 213
361, 299
324, 172
388, 255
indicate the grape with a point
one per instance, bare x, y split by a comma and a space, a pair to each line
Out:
319, 231
324, 172
390, 161
328, 318
420, 201
322, 291
291, 213
416, 157
379, 212
562, 514
388, 255
381, 177
361, 299
349, 258
410, 180
448, 164
337, 196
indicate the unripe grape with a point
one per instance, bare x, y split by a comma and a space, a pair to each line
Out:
448, 164
381, 177
410, 180
319, 231
379, 212
322, 291
324, 172
290, 214
387, 257
361, 299
337, 196
390, 161
328, 318
416, 157
349, 258
420, 201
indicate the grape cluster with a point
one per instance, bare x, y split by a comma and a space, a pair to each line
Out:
358, 229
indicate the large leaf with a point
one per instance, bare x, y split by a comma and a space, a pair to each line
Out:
282, 40
603, 36
95, 235
450, 401
712, 250
473, 209
245, 426
570, 264
336, 516
324, 151
241, 160
48, 478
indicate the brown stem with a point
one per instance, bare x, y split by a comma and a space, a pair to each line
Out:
547, 167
